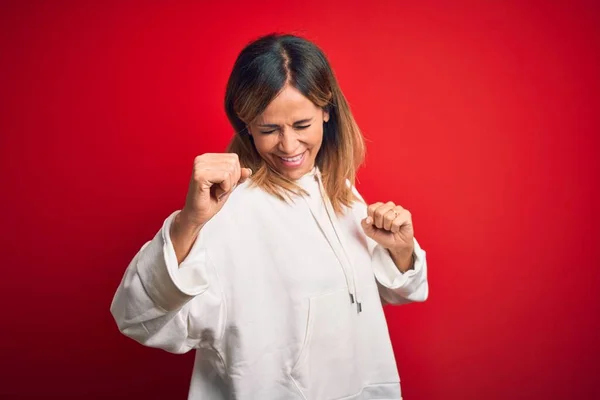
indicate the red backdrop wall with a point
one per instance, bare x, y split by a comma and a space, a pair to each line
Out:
482, 119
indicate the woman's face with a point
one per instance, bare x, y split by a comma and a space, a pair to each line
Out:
289, 133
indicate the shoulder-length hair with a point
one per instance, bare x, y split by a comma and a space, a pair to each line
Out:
260, 72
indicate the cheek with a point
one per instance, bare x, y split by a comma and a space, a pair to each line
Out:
315, 137
263, 144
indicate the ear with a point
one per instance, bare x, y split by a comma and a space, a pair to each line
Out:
325, 116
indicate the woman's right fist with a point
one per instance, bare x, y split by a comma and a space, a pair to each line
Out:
214, 177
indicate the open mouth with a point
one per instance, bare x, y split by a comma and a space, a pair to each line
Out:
293, 161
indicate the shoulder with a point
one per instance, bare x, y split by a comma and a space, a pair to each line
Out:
243, 198
359, 198
241, 208
245, 191
248, 200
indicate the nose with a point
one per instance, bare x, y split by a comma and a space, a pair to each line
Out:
288, 142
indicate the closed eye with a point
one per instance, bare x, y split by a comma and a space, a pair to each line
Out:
298, 125
301, 127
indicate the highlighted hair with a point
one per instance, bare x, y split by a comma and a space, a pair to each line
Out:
260, 72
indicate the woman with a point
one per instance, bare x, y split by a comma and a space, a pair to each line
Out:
275, 270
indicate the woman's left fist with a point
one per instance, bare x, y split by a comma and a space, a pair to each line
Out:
390, 226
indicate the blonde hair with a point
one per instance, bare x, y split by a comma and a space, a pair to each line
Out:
260, 72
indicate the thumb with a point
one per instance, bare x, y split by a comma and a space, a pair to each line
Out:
368, 227
246, 173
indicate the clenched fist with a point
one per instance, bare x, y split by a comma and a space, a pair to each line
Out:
214, 177
391, 226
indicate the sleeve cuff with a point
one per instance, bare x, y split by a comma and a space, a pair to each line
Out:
169, 284
388, 273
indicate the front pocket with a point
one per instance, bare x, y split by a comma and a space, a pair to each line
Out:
326, 366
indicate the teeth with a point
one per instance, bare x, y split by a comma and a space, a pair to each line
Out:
297, 158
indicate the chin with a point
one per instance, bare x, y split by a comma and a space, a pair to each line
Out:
294, 175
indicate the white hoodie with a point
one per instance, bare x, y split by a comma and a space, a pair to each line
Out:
279, 300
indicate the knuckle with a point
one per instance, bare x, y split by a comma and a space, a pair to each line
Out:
198, 173
198, 178
375, 206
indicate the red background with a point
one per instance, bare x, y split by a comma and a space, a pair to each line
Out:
482, 119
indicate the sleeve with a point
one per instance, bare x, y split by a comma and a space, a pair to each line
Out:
164, 305
394, 286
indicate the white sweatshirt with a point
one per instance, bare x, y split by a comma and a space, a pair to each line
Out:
279, 300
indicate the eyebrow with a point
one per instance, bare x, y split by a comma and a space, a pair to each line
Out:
300, 122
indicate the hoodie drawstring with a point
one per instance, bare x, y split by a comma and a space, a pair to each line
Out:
353, 285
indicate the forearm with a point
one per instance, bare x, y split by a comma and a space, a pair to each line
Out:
183, 235
404, 260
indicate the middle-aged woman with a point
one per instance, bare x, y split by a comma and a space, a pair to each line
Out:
275, 270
